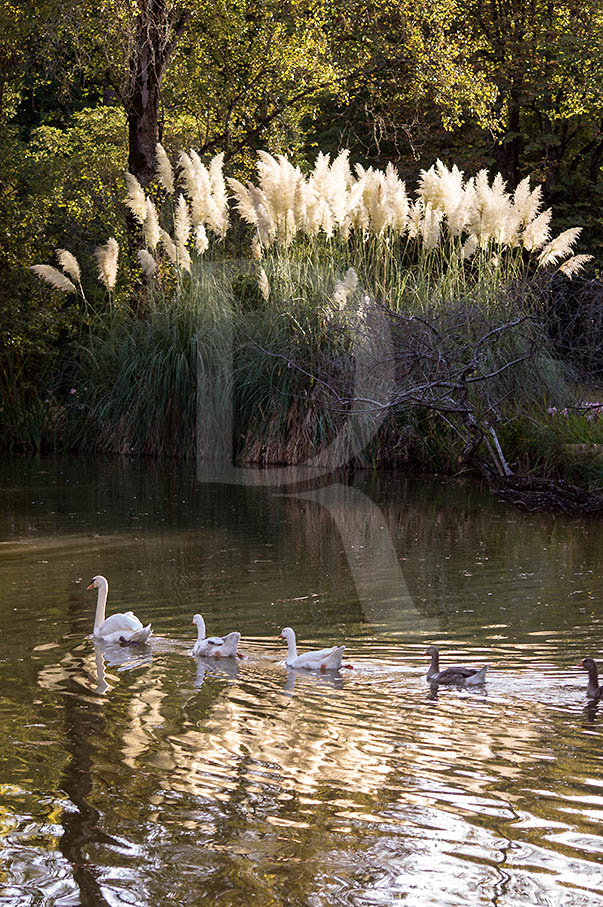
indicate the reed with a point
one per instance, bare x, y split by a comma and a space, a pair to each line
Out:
321, 250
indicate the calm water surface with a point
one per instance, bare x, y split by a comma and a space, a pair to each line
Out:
152, 777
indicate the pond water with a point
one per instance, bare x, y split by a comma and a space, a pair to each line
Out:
150, 777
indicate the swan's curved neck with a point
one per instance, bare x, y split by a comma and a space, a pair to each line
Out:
291, 647
200, 629
101, 603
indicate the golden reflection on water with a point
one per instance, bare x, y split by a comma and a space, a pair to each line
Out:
160, 777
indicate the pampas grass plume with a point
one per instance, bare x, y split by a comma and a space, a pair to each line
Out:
151, 225
54, 277
537, 232
470, 246
147, 262
136, 200
263, 284
201, 240
182, 223
574, 264
560, 247
165, 173
168, 245
106, 259
69, 264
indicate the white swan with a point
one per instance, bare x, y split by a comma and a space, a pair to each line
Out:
122, 628
319, 660
217, 646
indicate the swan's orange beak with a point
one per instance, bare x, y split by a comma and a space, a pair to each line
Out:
580, 665
91, 586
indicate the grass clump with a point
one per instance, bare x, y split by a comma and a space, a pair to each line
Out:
276, 344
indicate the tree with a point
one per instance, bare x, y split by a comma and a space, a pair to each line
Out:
157, 29
545, 61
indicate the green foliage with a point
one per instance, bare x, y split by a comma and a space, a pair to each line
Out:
59, 189
475, 82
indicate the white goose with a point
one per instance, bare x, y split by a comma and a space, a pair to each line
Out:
122, 628
319, 660
216, 646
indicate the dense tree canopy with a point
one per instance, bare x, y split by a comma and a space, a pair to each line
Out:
86, 89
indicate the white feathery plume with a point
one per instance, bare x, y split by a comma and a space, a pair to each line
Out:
106, 259
278, 181
168, 245
318, 196
314, 206
199, 190
396, 200
201, 240
510, 228
536, 234
300, 205
430, 187
182, 223
186, 176
54, 277
362, 217
470, 246
527, 202
340, 169
560, 247
147, 262
191, 174
165, 174
219, 194
327, 223
457, 218
245, 205
265, 226
263, 284
445, 191
499, 185
200, 172
184, 259
373, 198
136, 200
430, 227
327, 194
574, 264
339, 183
415, 217
69, 264
151, 225
489, 207
355, 214
272, 196
264, 216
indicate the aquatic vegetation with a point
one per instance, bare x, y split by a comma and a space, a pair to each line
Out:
324, 253
367, 210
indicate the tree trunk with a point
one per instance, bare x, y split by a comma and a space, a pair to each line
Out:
158, 30
143, 126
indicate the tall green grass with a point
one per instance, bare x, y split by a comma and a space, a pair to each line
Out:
273, 346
